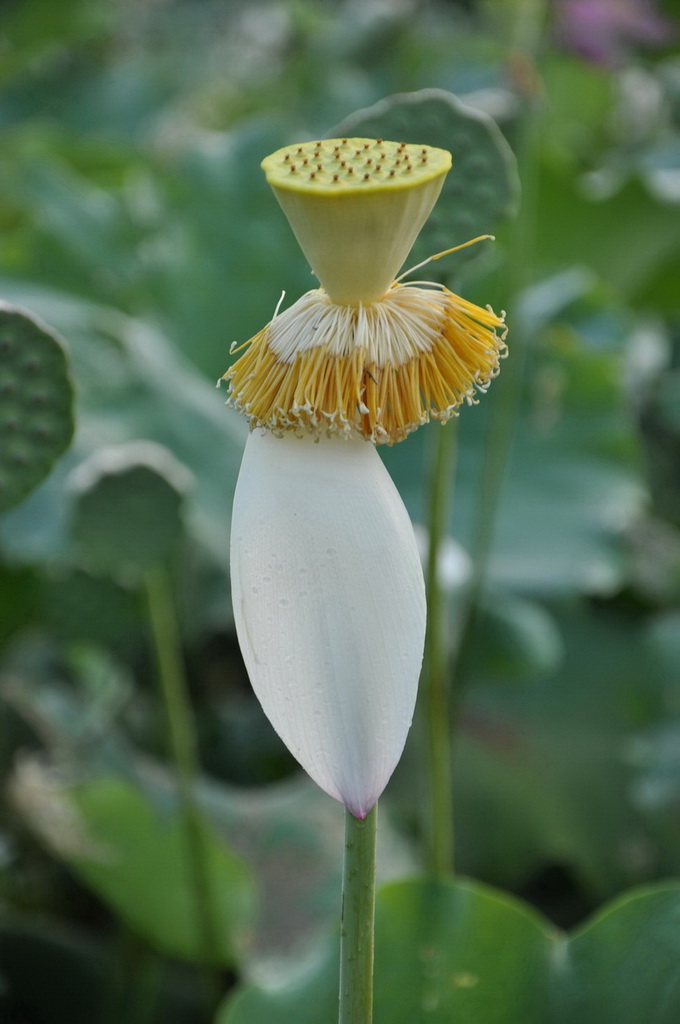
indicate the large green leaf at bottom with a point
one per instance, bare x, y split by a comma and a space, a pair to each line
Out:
459, 951
622, 968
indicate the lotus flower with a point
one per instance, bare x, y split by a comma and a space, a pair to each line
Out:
328, 592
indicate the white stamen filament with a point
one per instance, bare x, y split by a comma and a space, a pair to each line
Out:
403, 324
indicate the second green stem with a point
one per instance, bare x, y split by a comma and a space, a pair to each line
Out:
436, 698
182, 743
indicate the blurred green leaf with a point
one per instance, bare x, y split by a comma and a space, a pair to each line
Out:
75, 605
233, 252
581, 98
38, 30
180, 239
289, 833
134, 857
669, 400
516, 639
663, 644
546, 763
71, 707
78, 222
627, 237
572, 484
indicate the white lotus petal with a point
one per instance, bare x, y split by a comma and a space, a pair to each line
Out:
329, 604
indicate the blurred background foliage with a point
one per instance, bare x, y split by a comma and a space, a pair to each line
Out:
135, 221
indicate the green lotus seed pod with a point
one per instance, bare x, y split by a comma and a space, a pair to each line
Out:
127, 510
36, 403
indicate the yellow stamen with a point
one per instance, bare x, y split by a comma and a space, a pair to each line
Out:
377, 370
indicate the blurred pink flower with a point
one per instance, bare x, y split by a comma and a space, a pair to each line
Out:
608, 31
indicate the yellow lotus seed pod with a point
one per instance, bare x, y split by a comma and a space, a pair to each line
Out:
356, 207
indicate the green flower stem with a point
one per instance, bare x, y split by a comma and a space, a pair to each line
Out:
435, 699
358, 915
182, 744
